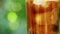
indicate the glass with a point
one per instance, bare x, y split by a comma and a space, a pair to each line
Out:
42, 16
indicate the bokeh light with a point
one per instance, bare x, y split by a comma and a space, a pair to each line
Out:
13, 26
12, 16
13, 6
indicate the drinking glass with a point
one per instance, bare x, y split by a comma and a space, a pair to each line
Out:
42, 16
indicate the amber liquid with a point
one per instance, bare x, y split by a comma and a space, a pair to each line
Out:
42, 20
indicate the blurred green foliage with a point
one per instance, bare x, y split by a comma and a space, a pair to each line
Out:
18, 7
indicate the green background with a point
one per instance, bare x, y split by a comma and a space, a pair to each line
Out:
17, 7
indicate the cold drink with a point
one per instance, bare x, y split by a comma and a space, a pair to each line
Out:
42, 16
